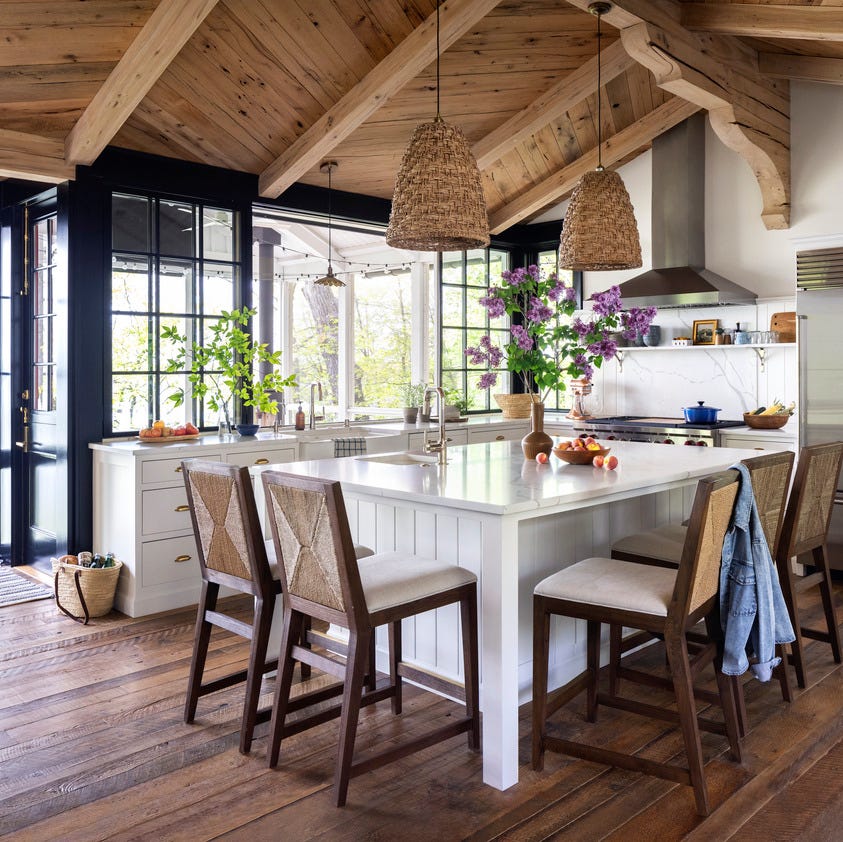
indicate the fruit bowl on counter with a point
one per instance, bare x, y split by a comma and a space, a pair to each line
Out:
579, 457
766, 422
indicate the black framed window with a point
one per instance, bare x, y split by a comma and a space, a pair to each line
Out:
175, 263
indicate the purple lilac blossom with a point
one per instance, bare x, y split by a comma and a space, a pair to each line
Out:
582, 363
538, 311
582, 328
605, 348
495, 306
636, 321
522, 338
475, 356
607, 303
487, 380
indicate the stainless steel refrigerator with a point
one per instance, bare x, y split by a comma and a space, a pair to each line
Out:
819, 308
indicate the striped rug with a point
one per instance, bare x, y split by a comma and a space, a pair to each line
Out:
15, 588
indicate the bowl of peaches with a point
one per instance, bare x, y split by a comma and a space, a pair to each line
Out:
159, 432
585, 451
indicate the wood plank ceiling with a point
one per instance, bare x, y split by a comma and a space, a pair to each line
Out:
273, 86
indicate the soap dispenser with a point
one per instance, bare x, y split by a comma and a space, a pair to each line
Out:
300, 417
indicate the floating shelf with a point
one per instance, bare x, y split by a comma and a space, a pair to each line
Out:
760, 349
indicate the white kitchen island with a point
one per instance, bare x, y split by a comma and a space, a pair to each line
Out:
512, 522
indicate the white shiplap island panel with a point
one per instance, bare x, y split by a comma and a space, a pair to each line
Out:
512, 522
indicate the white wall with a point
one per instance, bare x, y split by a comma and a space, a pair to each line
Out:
739, 247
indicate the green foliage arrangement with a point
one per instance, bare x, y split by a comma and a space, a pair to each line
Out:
223, 368
412, 394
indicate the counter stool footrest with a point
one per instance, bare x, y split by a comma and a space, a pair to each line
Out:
651, 680
804, 583
656, 712
432, 681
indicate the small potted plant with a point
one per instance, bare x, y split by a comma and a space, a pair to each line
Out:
456, 404
412, 394
223, 369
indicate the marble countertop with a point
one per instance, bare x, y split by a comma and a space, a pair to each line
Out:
495, 478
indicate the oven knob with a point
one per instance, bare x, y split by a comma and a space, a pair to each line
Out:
668, 441
688, 441
702, 443
611, 438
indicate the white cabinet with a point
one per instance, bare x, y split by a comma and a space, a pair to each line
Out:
141, 514
759, 441
499, 432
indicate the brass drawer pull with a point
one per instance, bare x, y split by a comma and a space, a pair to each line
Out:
184, 508
178, 470
500, 438
180, 558
261, 461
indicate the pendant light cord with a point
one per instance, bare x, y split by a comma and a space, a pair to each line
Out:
599, 100
438, 114
330, 248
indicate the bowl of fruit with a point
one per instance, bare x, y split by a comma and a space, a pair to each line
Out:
580, 451
772, 417
160, 431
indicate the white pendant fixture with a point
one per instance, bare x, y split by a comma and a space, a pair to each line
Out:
329, 280
600, 231
438, 202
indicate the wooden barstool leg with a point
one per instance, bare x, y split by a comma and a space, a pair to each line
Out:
593, 667
541, 644
257, 661
355, 670
293, 621
821, 561
677, 652
789, 593
395, 659
471, 665
305, 628
371, 668
201, 640
782, 674
740, 702
615, 639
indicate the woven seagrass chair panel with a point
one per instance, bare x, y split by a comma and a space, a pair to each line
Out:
817, 496
769, 485
307, 546
707, 579
220, 523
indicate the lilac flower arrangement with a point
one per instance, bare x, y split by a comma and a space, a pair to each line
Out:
547, 347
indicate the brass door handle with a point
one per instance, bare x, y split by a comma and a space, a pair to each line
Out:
180, 558
500, 438
182, 508
261, 461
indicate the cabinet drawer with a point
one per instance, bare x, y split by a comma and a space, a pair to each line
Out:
167, 470
170, 560
165, 510
490, 435
248, 458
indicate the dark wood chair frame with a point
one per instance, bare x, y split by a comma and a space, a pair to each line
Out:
769, 499
675, 628
261, 586
361, 625
809, 549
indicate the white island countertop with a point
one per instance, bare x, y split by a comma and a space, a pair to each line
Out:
495, 478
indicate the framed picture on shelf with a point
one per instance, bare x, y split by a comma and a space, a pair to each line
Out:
704, 331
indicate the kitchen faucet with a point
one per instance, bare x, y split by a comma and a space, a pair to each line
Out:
315, 385
439, 446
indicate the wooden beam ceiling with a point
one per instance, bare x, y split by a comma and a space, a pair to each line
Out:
168, 29
565, 94
402, 65
29, 156
749, 112
809, 23
632, 139
808, 68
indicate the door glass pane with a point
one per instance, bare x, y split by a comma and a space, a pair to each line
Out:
175, 287
129, 283
41, 293
42, 388
176, 229
129, 223
218, 234
452, 304
217, 288
131, 348
130, 406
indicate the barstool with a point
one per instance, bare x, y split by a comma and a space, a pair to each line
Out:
661, 601
804, 533
322, 579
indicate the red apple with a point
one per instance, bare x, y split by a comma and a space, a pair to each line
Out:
597, 461
611, 462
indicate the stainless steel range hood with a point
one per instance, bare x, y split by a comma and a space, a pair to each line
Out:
680, 278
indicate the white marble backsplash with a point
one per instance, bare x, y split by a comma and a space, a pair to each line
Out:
660, 382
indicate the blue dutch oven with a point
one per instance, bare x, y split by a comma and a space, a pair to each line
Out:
700, 414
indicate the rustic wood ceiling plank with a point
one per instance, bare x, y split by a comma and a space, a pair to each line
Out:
326, 19
31, 83
166, 31
46, 118
640, 96
411, 56
620, 102
625, 142
105, 14
808, 68
29, 156
366, 29
563, 131
809, 23
557, 100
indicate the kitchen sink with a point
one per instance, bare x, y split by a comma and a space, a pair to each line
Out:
421, 460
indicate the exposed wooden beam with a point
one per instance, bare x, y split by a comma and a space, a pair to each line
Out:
33, 158
566, 93
627, 141
810, 23
809, 68
168, 29
404, 63
749, 112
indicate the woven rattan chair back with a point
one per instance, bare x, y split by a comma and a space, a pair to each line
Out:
770, 481
812, 498
225, 524
698, 578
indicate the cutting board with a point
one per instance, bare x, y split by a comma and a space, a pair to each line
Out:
785, 324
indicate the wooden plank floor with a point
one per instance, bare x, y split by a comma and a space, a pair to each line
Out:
93, 746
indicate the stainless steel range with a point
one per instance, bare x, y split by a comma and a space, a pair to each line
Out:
655, 430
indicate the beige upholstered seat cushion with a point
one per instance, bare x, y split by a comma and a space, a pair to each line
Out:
360, 551
613, 583
663, 543
391, 579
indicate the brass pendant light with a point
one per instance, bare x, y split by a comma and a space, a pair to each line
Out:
438, 202
329, 280
600, 231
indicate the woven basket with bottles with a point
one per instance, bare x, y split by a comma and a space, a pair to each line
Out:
515, 406
83, 592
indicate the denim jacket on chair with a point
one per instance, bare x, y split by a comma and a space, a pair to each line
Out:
752, 609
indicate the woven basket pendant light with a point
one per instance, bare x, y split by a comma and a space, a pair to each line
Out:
600, 231
330, 280
438, 202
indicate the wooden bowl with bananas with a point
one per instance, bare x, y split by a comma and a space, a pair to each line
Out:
773, 417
